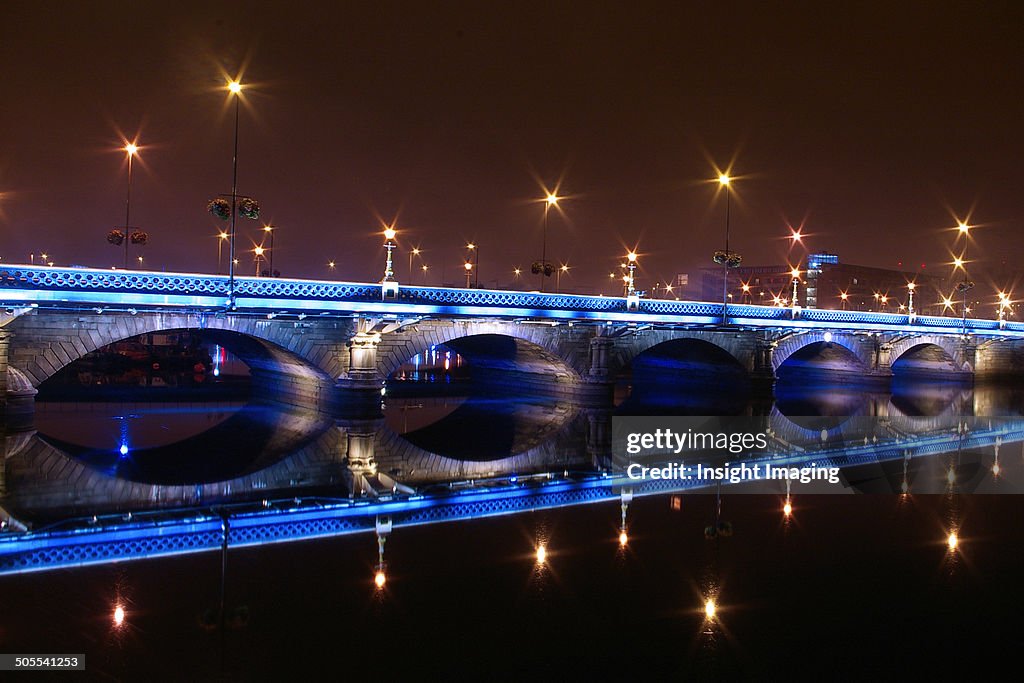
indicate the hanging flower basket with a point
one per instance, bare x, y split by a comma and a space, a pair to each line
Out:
139, 237
729, 259
220, 208
249, 208
115, 237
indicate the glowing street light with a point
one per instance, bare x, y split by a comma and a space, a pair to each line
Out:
966, 284
424, 269
258, 252
221, 236
795, 274
542, 267
270, 230
389, 244
469, 273
379, 579
1004, 303
911, 286
844, 298
558, 274
125, 235
726, 257
475, 250
630, 280
414, 252
246, 206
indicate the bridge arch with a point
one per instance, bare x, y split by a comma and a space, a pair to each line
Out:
714, 347
929, 354
42, 346
536, 348
811, 343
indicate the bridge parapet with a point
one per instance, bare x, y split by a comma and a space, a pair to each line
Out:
48, 286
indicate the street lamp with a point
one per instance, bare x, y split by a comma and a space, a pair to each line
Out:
476, 262
630, 282
469, 274
726, 257
414, 252
966, 284
543, 268
131, 148
1004, 303
795, 273
269, 229
424, 269
221, 236
246, 206
258, 256
911, 286
558, 273
389, 244
843, 297
126, 235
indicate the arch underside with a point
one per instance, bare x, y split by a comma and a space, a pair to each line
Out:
500, 360
44, 344
928, 359
276, 372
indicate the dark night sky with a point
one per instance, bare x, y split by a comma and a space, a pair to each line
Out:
871, 120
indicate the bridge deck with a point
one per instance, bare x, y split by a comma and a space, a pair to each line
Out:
125, 290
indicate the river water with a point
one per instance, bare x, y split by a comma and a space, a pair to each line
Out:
842, 586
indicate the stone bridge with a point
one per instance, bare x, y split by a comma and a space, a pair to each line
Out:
311, 341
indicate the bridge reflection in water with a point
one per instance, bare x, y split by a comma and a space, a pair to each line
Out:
71, 497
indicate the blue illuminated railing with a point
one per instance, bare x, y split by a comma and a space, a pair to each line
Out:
84, 286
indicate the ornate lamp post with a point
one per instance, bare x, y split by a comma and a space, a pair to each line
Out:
726, 258
469, 274
795, 273
542, 267
270, 230
1004, 303
389, 244
911, 286
221, 236
127, 235
258, 252
966, 284
227, 211
630, 281
473, 256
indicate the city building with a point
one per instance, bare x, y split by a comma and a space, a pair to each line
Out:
826, 282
